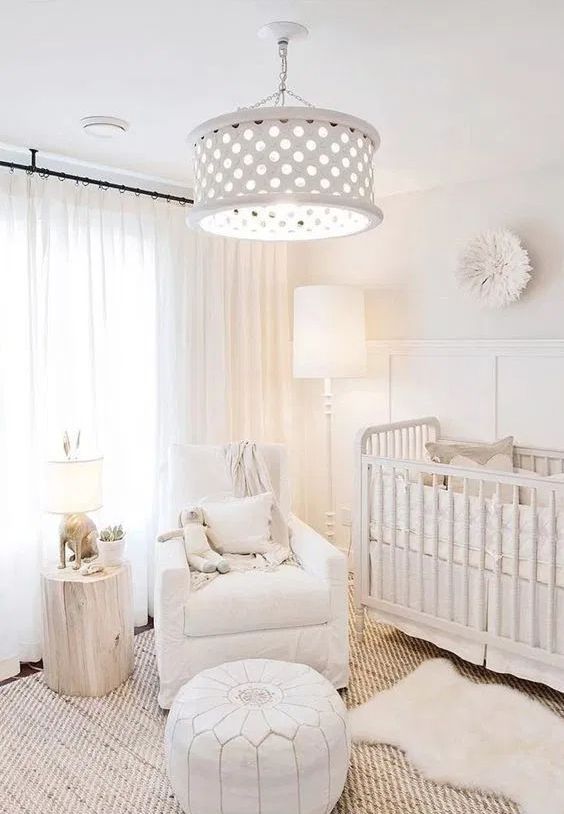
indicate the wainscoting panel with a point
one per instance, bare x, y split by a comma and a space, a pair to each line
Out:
530, 399
457, 389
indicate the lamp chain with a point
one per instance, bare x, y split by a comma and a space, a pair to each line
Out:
279, 95
283, 54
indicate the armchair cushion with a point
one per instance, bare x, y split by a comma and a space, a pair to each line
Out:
286, 597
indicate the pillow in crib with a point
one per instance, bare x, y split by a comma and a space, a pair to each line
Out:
497, 456
240, 525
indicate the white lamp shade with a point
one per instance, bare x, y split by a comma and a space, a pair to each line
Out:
329, 332
73, 486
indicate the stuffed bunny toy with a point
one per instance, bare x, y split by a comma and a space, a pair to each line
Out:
199, 553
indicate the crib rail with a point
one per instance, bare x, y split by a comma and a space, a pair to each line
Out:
544, 462
456, 550
403, 439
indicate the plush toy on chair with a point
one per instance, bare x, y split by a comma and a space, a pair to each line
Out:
199, 554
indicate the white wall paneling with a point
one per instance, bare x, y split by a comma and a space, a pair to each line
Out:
480, 389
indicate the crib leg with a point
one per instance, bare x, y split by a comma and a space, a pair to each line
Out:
359, 620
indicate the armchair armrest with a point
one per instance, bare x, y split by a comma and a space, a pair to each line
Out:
172, 589
316, 555
172, 582
321, 559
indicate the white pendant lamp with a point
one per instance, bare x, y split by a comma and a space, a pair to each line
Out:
284, 173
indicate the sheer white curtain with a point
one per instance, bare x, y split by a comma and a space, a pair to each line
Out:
116, 319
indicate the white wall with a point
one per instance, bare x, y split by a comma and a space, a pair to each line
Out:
433, 351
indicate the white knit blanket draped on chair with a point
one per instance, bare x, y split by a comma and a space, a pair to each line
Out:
250, 476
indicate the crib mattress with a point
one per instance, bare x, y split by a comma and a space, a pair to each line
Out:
413, 527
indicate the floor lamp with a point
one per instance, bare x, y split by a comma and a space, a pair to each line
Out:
329, 343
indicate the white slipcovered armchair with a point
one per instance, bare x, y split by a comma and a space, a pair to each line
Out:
291, 614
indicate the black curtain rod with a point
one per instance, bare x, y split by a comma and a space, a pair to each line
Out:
33, 169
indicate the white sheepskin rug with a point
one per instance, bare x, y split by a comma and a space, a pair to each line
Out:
479, 736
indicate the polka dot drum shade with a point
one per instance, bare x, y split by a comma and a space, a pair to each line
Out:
284, 173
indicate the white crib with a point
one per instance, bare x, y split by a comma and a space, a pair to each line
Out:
477, 569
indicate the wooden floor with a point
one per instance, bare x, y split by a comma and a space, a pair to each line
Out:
33, 667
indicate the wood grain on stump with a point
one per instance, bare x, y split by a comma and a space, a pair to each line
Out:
87, 630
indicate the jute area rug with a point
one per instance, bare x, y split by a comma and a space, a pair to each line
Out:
63, 755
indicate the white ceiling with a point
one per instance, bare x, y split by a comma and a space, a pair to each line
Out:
459, 90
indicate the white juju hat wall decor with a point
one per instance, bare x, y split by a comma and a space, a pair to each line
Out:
495, 268
284, 173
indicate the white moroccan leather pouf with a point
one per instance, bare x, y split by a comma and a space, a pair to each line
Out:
257, 737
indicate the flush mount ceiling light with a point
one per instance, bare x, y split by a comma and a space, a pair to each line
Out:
272, 172
104, 126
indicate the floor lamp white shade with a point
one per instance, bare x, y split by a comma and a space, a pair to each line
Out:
329, 343
329, 332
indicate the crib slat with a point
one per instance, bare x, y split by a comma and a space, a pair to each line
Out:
466, 552
406, 541
516, 572
551, 575
380, 530
451, 555
366, 504
393, 544
533, 570
421, 537
435, 547
498, 560
482, 562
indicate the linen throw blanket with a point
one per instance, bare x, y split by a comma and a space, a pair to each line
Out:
249, 474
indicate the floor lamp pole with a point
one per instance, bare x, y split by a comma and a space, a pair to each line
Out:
328, 409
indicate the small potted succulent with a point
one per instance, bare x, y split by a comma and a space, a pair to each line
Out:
111, 545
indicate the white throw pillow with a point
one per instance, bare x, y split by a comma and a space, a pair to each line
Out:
240, 525
497, 456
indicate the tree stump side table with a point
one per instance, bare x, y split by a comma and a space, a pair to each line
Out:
87, 630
